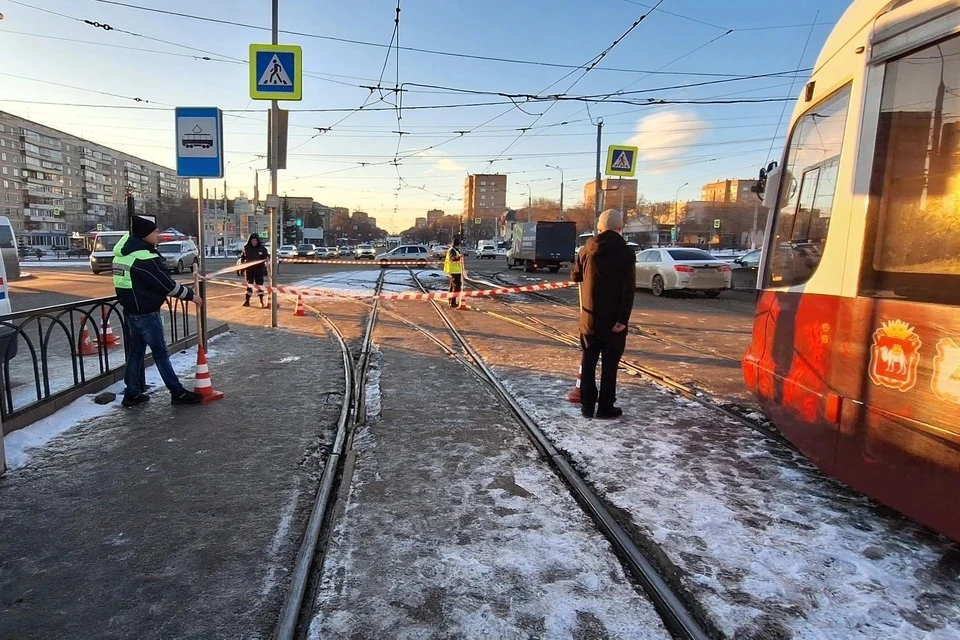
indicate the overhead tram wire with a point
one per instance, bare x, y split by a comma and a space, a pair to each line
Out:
539, 63
587, 68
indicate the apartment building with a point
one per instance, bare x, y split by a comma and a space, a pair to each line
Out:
484, 196
54, 184
729, 191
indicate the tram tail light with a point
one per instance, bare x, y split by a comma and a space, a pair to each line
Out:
682, 268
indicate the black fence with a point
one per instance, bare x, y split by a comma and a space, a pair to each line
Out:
53, 355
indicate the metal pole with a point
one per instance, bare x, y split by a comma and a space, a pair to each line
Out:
274, 147
560, 169
753, 232
596, 188
3, 455
676, 211
202, 288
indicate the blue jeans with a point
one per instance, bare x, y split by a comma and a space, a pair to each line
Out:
143, 330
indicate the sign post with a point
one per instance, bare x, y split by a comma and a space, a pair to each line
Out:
199, 145
276, 73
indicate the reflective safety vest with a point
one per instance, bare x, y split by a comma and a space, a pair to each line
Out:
123, 263
453, 262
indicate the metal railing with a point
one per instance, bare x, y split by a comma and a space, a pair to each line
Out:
53, 355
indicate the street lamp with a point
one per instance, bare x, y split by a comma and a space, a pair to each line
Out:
550, 166
676, 210
529, 200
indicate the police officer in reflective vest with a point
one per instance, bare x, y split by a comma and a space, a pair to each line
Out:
143, 286
453, 267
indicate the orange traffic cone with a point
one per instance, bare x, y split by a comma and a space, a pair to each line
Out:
574, 394
109, 339
202, 384
300, 311
85, 345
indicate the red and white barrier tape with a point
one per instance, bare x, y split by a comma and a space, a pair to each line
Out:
236, 267
358, 262
445, 295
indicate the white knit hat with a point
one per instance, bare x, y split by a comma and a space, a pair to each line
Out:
611, 219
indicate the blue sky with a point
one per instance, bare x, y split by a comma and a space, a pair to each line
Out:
679, 143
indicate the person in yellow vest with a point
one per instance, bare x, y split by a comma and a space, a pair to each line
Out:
143, 285
453, 267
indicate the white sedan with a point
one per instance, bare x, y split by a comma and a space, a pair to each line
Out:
672, 268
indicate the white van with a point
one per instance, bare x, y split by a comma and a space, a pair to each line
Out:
102, 257
9, 250
8, 337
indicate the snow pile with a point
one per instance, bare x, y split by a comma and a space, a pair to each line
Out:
769, 546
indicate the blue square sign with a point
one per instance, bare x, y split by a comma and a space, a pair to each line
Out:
199, 142
275, 72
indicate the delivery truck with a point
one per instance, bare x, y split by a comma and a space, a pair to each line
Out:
547, 244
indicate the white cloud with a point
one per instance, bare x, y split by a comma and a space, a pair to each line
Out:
444, 163
663, 135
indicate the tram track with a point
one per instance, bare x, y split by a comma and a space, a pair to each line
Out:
655, 376
677, 615
295, 611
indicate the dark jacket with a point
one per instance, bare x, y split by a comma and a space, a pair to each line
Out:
152, 285
252, 253
606, 271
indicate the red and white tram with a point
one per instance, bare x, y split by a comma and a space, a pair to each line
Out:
856, 338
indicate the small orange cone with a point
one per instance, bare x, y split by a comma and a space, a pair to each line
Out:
109, 339
574, 394
202, 384
86, 347
300, 311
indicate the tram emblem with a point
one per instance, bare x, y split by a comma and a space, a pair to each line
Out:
895, 356
946, 371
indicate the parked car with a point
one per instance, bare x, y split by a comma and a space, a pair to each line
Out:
287, 251
178, 256
672, 268
439, 252
78, 252
486, 250
405, 253
365, 251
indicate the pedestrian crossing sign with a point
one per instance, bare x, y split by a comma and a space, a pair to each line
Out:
276, 72
621, 161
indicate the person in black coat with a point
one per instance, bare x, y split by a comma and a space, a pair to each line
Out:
606, 271
252, 252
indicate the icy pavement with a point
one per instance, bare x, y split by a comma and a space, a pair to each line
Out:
20, 443
453, 527
766, 544
174, 522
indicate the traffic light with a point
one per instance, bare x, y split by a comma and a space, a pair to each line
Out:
299, 222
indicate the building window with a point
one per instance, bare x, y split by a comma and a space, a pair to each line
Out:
807, 187
912, 238
6, 171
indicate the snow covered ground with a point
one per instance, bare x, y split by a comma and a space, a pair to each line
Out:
20, 443
771, 548
55, 264
454, 528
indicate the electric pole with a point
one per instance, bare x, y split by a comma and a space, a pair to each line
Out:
596, 186
274, 161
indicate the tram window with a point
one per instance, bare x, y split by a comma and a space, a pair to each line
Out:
809, 183
912, 244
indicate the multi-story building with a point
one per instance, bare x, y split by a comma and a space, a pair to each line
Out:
55, 184
434, 215
420, 223
484, 197
728, 191
615, 193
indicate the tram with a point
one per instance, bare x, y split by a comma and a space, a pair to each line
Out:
856, 338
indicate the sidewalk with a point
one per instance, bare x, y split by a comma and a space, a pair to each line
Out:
162, 521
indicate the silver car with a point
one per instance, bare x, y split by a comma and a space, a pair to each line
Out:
179, 256
673, 268
405, 253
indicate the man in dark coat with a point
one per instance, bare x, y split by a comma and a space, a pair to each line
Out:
252, 252
606, 271
143, 285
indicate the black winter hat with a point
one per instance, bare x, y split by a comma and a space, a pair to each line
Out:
142, 227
